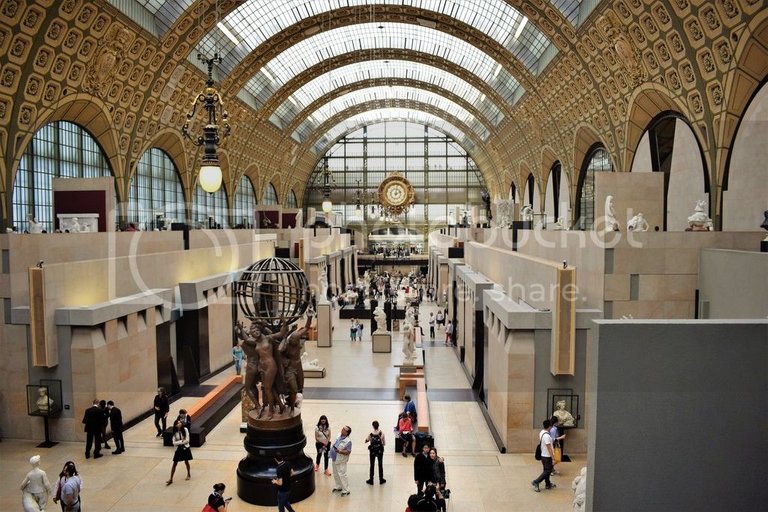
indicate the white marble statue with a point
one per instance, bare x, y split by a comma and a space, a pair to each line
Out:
74, 225
307, 364
34, 226
381, 319
44, 402
637, 223
611, 224
299, 218
503, 217
35, 489
700, 221
559, 225
564, 418
526, 214
579, 486
410, 314
409, 343
322, 297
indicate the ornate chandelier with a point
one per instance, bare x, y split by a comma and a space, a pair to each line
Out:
209, 98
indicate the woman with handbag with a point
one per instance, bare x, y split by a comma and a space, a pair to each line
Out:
182, 453
557, 451
322, 442
216, 501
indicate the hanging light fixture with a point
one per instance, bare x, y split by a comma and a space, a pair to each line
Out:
327, 179
209, 98
358, 198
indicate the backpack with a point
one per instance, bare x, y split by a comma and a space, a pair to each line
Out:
376, 446
537, 453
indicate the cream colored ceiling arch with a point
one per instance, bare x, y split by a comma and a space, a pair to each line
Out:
388, 82
389, 92
396, 71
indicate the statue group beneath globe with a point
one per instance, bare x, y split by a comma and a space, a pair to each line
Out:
274, 364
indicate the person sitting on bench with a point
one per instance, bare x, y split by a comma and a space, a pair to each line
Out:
405, 430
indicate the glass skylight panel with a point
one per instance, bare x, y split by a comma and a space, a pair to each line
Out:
569, 9
354, 98
368, 37
254, 22
154, 5
391, 114
384, 69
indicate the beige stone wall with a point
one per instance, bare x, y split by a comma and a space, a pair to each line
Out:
220, 323
115, 361
510, 379
632, 193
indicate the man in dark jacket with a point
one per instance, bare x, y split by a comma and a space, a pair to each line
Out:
422, 468
116, 421
92, 420
104, 423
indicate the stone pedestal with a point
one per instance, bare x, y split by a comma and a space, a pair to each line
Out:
382, 342
314, 373
324, 323
263, 440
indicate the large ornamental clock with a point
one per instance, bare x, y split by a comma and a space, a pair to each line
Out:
396, 194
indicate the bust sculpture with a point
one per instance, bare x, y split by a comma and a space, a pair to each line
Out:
699, 221
637, 223
611, 224
44, 402
564, 418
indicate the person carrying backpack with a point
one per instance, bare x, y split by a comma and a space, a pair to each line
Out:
376, 444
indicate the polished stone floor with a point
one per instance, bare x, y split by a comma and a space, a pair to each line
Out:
358, 388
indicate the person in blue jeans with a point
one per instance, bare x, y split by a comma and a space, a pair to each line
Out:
283, 483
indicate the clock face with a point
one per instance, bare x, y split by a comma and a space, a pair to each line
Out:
396, 194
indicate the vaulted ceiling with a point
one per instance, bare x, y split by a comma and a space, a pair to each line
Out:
519, 83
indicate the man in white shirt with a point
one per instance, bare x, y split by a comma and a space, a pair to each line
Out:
340, 451
545, 440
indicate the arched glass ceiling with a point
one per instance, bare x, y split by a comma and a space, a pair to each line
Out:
353, 98
369, 37
254, 22
261, 19
391, 114
369, 70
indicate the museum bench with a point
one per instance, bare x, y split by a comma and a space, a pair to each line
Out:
422, 416
207, 412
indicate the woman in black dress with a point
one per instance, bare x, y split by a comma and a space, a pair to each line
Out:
182, 453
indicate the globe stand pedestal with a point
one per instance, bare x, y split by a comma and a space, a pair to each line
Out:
263, 440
